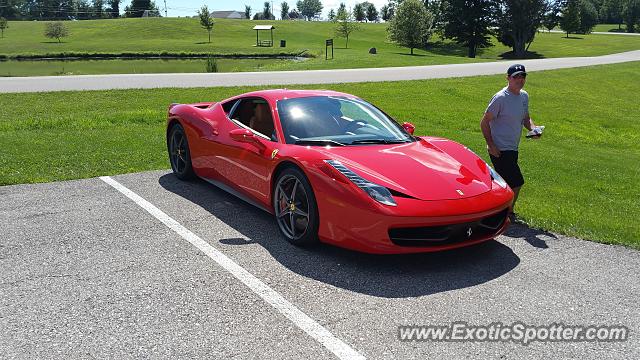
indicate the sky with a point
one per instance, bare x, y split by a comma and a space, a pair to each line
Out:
190, 7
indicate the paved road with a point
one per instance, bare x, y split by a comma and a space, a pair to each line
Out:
87, 273
130, 81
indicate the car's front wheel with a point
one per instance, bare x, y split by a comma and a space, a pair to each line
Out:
295, 208
179, 154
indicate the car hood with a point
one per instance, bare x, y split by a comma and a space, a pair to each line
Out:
426, 169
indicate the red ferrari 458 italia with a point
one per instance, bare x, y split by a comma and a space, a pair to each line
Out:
333, 168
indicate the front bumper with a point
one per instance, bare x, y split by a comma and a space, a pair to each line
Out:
350, 219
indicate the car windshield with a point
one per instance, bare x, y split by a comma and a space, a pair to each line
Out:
328, 120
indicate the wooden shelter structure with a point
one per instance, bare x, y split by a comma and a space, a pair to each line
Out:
258, 28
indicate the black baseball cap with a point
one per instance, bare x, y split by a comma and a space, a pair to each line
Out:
516, 69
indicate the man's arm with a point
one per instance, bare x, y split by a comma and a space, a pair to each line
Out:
486, 132
528, 122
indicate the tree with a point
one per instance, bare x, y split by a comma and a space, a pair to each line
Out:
570, 20
345, 26
266, 12
137, 7
518, 23
359, 13
393, 5
49, 9
631, 14
331, 15
98, 9
206, 21
437, 8
551, 18
82, 10
114, 8
342, 10
284, 10
56, 30
611, 12
411, 25
309, 8
294, 14
469, 22
384, 13
3, 25
10, 9
588, 16
371, 12
247, 12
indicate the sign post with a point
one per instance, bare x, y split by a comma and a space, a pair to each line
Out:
326, 49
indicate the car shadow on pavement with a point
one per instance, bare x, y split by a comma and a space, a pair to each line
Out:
389, 276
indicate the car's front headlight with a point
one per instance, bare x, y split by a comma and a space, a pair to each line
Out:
496, 177
377, 192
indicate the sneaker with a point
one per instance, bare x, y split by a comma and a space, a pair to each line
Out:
515, 219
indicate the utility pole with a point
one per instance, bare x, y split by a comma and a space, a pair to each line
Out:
165, 8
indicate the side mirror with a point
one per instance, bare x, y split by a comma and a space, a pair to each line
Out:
409, 127
243, 135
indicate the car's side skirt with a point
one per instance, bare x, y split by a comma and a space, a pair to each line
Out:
236, 193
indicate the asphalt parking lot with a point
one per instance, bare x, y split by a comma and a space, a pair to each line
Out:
87, 272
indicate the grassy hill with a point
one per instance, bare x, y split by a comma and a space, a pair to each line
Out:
183, 35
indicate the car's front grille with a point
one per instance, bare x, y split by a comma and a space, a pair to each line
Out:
426, 236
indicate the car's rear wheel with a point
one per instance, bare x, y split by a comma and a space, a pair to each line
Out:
295, 208
179, 154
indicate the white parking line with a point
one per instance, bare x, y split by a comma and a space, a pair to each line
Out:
300, 319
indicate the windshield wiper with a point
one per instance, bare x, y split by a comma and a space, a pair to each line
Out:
318, 142
378, 141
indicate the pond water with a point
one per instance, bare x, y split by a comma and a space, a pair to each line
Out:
127, 66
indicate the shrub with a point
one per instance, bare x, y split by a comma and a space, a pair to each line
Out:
212, 64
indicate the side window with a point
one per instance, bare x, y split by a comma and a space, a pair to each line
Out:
243, 112
228, 106
262, 122
255, 114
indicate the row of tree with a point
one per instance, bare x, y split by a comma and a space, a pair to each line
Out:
364, 11
515, 23
74, 9
305, 9
574, 16
470, 23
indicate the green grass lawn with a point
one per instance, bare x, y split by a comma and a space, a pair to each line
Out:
582, 177
605, 28
182, 35
610, 28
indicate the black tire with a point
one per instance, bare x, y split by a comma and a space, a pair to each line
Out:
295, 208
179, 153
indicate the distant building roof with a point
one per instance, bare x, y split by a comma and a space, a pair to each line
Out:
264, 27
231, 14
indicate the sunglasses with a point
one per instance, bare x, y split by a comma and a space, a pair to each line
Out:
518, 76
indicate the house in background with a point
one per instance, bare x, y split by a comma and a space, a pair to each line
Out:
231, 14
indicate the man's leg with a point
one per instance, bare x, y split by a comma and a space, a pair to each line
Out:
516, 191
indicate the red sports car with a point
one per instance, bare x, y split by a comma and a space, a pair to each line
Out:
333, 168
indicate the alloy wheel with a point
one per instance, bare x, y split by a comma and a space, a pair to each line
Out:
292, 207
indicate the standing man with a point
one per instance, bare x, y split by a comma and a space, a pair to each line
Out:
501, 125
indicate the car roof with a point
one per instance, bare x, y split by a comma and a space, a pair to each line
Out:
274, 95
